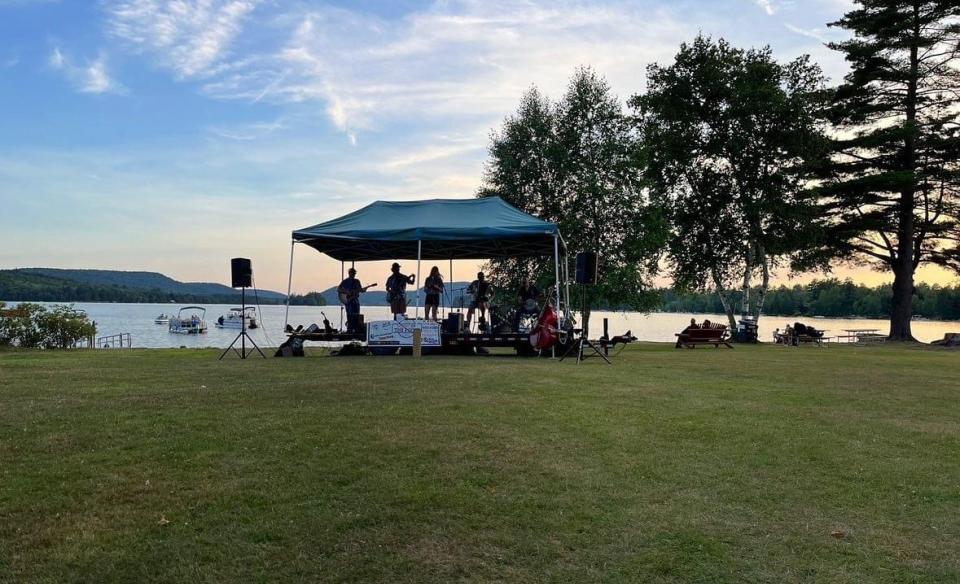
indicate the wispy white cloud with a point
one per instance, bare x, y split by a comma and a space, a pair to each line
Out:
767, 6
247, 132
57, 60
90, 77
191, 37
819, 34
455, 59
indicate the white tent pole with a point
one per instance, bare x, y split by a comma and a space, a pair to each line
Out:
286, 314
566, 276
556, 266
342, 276
449, 288
417, 283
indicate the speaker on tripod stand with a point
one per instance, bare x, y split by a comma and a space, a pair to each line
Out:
241, 276
586, 275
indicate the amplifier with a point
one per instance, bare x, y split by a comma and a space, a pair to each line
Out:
453, 324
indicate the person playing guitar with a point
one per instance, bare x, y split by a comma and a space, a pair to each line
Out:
482, 291
349, 292
397, 290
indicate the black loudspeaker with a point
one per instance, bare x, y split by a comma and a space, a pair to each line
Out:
241, 272
453, 324
587, 267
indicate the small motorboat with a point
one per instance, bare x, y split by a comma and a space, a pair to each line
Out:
237, 316
189, 321
163, 318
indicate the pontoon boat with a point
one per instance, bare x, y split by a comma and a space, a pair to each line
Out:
189, 321
233, 318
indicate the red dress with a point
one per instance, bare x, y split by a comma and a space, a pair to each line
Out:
544, 335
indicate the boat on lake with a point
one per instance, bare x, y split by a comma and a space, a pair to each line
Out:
163, 318
189, 321
237, 316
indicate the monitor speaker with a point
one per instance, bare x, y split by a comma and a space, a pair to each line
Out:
241, 272
587, 267
453, 324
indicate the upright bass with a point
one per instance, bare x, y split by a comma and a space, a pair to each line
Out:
545, 334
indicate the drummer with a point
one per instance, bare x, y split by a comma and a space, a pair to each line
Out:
527, 298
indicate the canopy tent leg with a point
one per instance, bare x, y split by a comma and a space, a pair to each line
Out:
342, 276
556, 268
449, 289
566, 273
416, 314
286, 314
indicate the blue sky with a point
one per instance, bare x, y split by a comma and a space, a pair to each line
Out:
172, 135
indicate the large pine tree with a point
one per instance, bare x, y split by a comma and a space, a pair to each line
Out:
889, 194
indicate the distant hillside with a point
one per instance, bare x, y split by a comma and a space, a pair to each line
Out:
62, 285
145, 281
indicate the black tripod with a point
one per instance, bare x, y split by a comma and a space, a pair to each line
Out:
583, 342
243, 337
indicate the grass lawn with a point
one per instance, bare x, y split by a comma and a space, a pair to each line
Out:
760, 464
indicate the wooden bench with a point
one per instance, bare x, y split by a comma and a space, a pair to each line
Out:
715, 335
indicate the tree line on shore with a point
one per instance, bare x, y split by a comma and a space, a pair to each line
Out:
830, 298
731, 165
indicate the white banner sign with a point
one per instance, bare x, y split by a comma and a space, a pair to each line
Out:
399, 333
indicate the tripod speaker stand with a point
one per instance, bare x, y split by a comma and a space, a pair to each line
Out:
242, 276
583, 342
586, 275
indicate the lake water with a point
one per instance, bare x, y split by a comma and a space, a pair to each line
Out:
137, 319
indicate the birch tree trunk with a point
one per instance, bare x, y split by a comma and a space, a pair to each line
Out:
747, 274
727, 305
764, 282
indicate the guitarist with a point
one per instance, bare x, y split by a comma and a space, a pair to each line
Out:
397, 290
349, 291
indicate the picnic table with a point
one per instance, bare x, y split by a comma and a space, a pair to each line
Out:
862, 335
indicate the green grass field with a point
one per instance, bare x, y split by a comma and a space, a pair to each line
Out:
760, 464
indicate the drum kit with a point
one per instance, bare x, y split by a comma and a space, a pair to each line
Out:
544, 325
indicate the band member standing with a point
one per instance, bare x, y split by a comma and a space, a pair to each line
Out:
433, 288
397, 290
481, 290
350, 289
527, 302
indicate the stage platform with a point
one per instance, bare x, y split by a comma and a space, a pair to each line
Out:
463, 339
325, 337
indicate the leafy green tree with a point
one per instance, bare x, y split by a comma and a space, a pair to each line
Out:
727, 134
63, 327
889, 195
308, 299
32, 326
21, 325
575, 163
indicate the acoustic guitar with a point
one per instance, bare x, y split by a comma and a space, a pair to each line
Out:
348, 296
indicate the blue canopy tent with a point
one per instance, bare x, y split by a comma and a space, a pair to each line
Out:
434, 229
